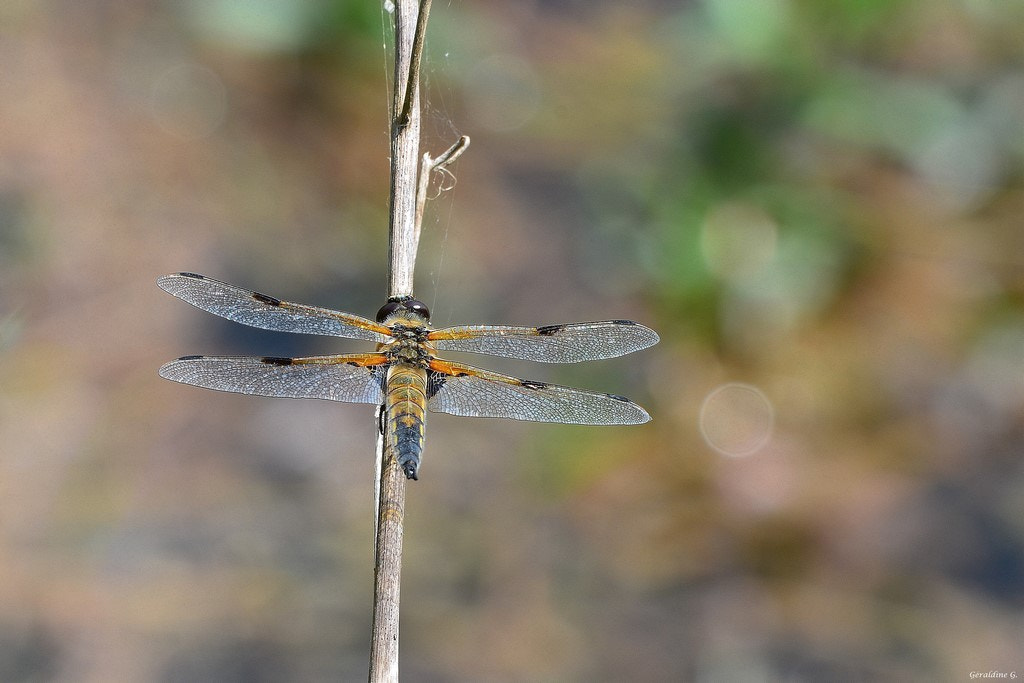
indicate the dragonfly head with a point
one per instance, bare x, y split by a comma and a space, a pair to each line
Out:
403, 306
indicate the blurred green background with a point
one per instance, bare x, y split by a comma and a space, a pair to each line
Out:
817, 204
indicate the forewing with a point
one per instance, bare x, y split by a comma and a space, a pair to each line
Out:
459, 389
353, 378
569, 343
266, 312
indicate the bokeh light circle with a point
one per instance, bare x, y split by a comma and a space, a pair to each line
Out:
736, 419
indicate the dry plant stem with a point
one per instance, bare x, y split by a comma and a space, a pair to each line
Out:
410, 24
387, 572
405, 144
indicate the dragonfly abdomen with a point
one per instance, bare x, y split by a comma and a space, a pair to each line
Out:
405, 405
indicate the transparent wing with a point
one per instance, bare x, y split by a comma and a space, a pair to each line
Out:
354, 378
569, 343
459, 389
259, 310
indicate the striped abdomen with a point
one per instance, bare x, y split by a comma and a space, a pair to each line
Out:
405, 413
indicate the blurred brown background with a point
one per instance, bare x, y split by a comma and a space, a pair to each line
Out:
817, 204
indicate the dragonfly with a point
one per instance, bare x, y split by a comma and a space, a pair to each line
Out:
405, 376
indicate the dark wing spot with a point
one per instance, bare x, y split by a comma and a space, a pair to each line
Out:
531, 384
548, 330
195, 275
190, 357
264, 299
624, 322
619, 397
274, 360
435, 380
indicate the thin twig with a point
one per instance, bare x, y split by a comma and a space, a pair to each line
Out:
412, 83
428, 166
408, 193
410, 25
451, 154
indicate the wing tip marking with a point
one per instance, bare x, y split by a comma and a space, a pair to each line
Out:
642, 415
276, 360
266, 299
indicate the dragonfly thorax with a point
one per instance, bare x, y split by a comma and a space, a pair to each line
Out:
410, 347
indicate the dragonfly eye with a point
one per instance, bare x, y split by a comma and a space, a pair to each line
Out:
419, 308
388, 310
396, 306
